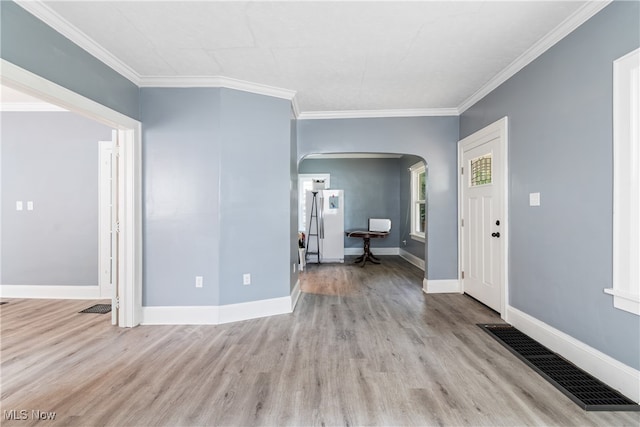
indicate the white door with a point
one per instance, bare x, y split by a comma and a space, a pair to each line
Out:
105, 219
115, 230
483, 220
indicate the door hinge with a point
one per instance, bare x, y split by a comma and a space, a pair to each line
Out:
462, 274
116, 150
462, 171
462, 222
116, 227
116, 302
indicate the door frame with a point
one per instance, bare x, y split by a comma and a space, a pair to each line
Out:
499, 128
129, 178
105, 223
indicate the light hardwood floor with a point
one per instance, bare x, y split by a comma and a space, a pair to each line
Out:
365, 346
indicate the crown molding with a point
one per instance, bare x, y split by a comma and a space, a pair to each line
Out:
579, 17
365, 114
30, 107
216, 81
295, 107
322, 156
43, 12
47, 15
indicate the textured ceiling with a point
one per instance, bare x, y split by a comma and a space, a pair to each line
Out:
337, 56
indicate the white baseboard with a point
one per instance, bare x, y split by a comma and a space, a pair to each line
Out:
451, 286
412, 259
254, 309
295, 295
216, 315
50, 292
621, 377
375, 251
180, 315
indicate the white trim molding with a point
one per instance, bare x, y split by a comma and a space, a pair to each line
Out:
625, 300
47, 15
451, 286
217, 314
579, 17
616, 374
626, 183
411, 258
366, 114
218, 82
30, 107
254, 309
50, 292
180, 315
295, 295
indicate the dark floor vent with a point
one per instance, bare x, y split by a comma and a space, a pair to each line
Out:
98, 308
585, 390
4, 302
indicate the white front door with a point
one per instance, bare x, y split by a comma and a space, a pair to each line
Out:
483, 220
108, 214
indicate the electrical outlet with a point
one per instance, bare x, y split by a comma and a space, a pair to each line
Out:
29, 205
246, 279
534, 199
199, 281
18, 205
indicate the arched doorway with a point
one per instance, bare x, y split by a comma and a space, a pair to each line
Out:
376, 185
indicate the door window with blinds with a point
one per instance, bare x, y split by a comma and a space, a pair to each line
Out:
480, 171
305, 183
418, 201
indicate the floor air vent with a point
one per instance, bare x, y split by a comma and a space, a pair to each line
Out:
585, 390
98, 308
4, 302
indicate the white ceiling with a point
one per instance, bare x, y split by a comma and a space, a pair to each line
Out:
335, 56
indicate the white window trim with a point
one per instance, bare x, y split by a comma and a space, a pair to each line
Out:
416, 170
302, 177
626, 183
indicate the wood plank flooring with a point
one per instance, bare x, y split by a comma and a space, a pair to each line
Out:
365, 346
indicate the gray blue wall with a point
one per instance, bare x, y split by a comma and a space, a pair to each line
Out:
181, 168
30, 44
51, 159
560, 144
431, 138
255, 230
216, 177
371, 190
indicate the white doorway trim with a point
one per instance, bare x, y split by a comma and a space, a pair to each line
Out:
498, 128
105, 217
129, 179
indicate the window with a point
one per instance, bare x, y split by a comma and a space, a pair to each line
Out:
480, 170
304, 185
418, 201
626, 183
